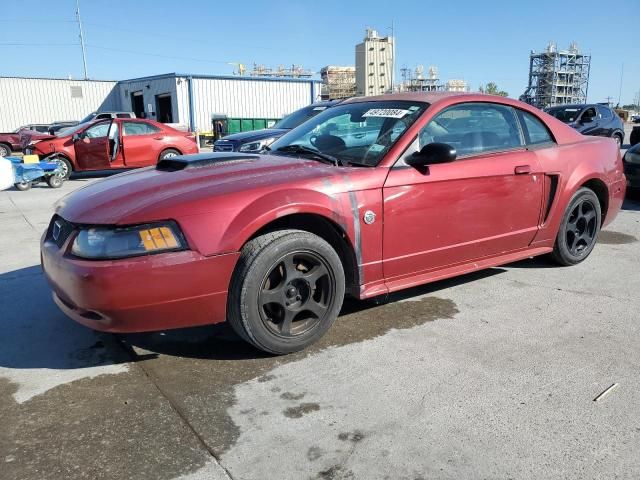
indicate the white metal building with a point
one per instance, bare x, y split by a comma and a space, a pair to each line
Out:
39, 100
171, 98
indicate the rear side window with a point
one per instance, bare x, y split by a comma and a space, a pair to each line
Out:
139, 128
535, 131
123, 115
102, 115
605, 112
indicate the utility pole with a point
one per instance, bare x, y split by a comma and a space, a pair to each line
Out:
620, 92
393, 59
84, 53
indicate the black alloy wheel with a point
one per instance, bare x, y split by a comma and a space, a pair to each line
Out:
579, 228
286, 291
296, 294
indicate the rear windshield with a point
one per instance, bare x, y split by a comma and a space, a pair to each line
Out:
300, 116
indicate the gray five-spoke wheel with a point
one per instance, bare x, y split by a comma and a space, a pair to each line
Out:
581, 227
296, 294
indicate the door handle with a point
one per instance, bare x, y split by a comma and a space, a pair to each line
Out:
158, 138
522, 170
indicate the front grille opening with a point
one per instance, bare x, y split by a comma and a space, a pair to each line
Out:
59, 230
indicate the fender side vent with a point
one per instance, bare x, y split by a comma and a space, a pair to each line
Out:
200, 160
552, 189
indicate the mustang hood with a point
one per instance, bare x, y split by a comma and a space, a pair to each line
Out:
186, 185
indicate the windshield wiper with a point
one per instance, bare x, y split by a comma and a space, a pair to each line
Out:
312, 151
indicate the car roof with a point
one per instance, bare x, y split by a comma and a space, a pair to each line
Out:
428, 97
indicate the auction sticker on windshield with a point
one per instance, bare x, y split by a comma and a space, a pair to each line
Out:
386, 112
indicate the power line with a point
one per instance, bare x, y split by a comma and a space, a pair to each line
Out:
22, 44
156, 54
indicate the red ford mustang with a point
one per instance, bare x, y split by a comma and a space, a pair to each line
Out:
114, 143
372, 196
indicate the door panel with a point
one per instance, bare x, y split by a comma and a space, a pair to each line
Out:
460, 211
92, 148
142, 143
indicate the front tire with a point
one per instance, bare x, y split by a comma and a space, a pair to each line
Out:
5, 150
286, 291
67, 167
579, 228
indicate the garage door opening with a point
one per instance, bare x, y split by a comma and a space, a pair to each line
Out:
163, 108
137, 104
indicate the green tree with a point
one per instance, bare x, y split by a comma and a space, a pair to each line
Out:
492, 89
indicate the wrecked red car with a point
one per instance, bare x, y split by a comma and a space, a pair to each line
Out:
369, 197
113, 143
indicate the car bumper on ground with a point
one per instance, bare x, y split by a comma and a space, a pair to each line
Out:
149, 293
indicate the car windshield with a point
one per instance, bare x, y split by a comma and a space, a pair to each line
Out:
299, 116
565, 114
71, 130
352, 133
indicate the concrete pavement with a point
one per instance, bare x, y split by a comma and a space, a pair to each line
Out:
491, 375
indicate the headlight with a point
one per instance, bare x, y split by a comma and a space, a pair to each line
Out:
109, 243
256, 146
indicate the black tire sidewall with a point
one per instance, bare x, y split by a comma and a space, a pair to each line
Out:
561, 250
254, 327
164, 153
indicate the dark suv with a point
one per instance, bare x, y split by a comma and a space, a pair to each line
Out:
256, 140
591, 119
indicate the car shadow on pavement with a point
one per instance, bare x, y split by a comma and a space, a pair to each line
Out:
219, 342
37, 335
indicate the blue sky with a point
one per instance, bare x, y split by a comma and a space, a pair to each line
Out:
479, 41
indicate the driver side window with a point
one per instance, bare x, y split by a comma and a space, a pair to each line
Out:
97, 131
474, 128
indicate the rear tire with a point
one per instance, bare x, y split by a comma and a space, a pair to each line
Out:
619, 139
5, 150
168, 153
579, 228
23, 186
286, 291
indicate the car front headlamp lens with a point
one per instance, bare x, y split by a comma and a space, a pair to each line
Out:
111, 243
256, 146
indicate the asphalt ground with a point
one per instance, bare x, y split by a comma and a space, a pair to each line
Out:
489, 375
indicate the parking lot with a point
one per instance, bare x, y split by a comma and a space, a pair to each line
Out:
489, 375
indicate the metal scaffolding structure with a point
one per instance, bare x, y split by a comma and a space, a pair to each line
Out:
295, 71
338, 82
557, 77
415, 80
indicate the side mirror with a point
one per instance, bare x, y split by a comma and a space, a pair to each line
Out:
75, 137
432, 153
